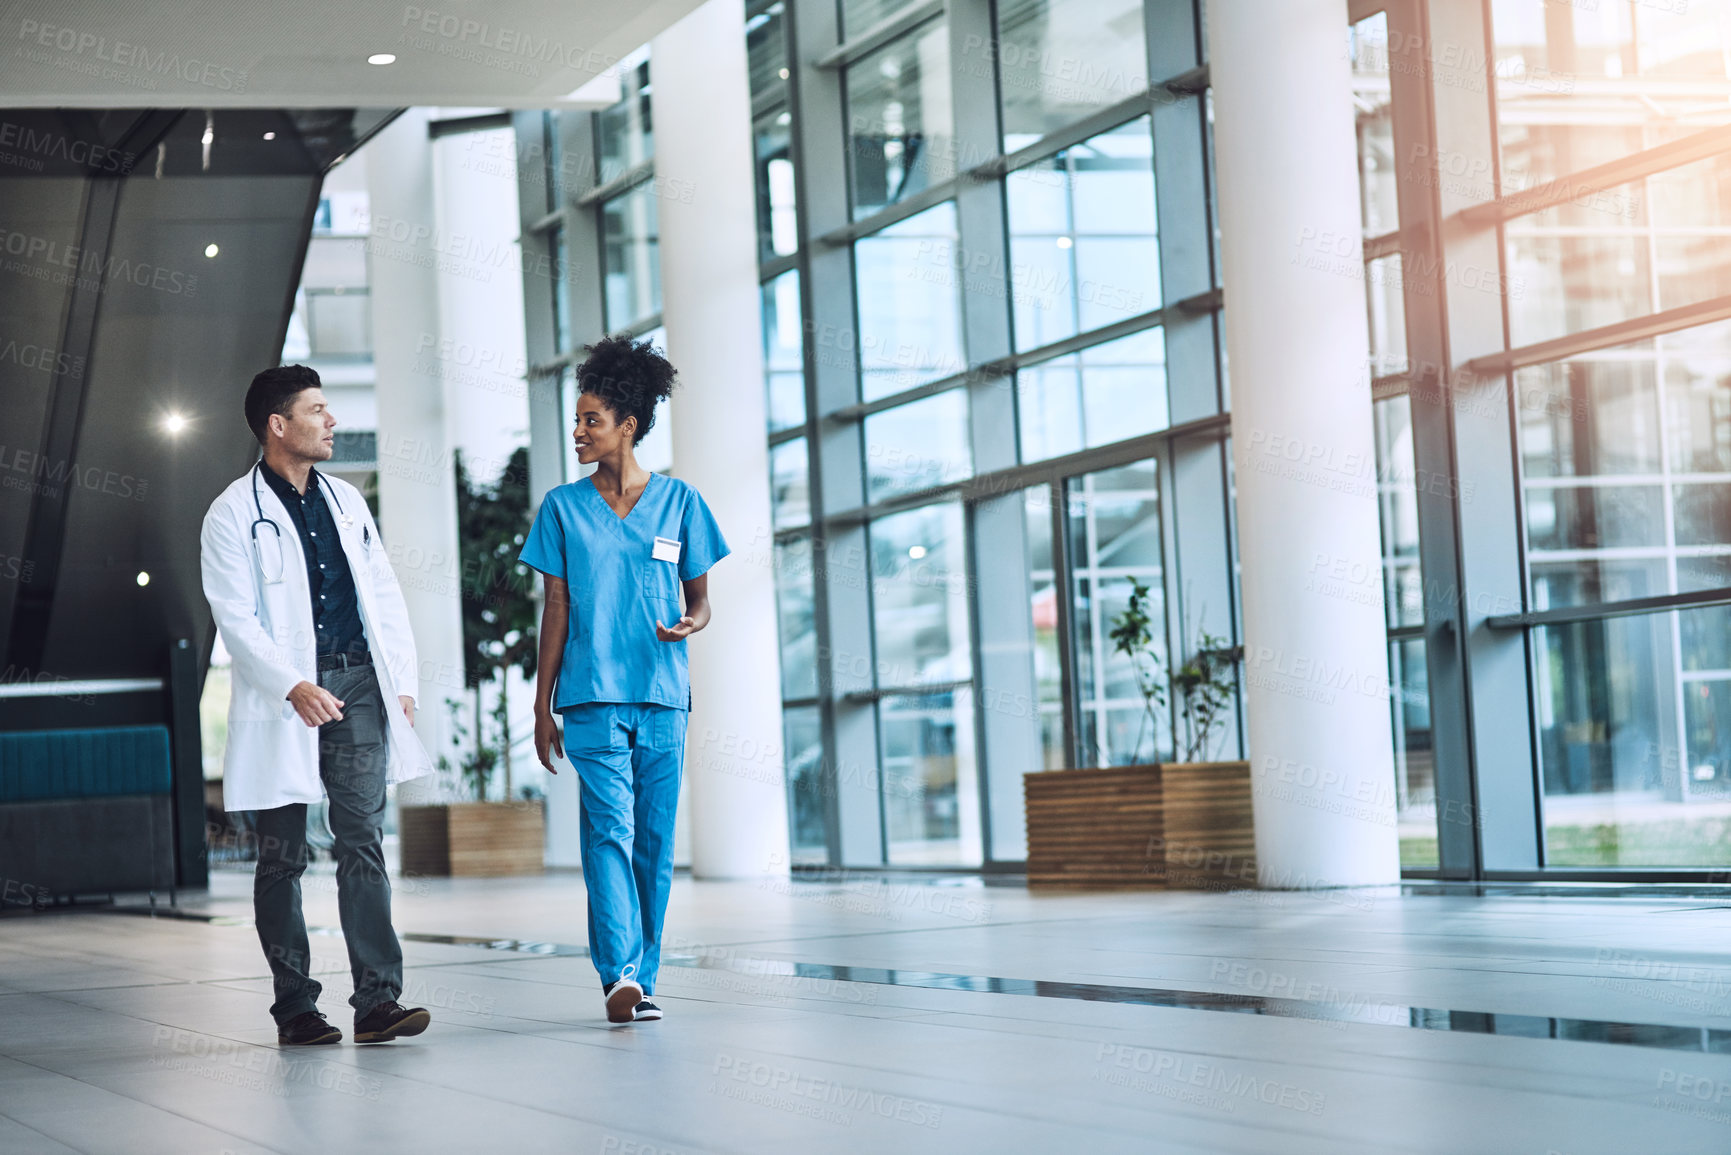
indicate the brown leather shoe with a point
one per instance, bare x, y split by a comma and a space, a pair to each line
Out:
389, 1021
309, 1030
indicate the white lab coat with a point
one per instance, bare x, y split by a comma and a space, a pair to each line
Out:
273, 757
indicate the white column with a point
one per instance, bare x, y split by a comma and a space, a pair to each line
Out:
417, 489
1315, 664
702, 109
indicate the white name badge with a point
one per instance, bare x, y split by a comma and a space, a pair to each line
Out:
666, 549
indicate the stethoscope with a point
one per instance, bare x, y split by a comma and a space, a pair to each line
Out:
343, 517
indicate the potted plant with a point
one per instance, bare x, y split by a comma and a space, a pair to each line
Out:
471, 835
1094, 827
1209, 840
1177, 824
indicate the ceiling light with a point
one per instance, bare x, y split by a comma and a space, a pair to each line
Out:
1064, 242
211, 250
270, 136
784, 74
174, 423
381, 58
143, 578
209, 135
916, 552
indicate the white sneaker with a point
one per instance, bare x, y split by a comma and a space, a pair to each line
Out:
623, 997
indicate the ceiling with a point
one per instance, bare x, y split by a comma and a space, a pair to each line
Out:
313, 53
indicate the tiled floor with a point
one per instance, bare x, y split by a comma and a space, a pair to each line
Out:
129, 1034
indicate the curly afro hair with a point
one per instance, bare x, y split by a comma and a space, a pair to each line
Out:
629, 377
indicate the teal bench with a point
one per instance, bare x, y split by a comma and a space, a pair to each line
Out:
85, 812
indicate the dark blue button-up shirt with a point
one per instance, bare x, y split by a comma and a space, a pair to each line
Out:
336, 610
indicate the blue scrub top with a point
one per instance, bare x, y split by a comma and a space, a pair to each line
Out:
619, 589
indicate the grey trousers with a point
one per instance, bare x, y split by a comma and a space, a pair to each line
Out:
352, 754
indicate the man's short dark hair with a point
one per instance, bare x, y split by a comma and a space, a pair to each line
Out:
274, 391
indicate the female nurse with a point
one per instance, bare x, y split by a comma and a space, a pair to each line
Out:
616, 550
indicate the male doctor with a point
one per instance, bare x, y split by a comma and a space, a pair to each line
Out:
324, 684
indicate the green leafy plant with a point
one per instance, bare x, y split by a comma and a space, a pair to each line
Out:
475, 766
1204, 687
500, 631
1132, 635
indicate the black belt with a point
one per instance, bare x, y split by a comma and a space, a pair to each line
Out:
343, 661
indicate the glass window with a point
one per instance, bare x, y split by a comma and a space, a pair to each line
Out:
930, 788
552, 157
1620, 788
1043, 610
1372, 98
1594, 517
335, 263
1400, 586
1059, 60
794, 580
790, 483
1614, 254
340, 324
910, 329
1591, 416
561, 275
1083, 249
783, 352
1593, 467
920, 596
1386, 299
631, 249
623, 132
1114, 523
806, 787
766, 46
1106, 393
900, 134
859, 16
1580, 84
1696, 370
777, 226
1414, 756
917, 446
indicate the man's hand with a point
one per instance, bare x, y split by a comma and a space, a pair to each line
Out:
408, 704
547, 739
315, 704
681, 629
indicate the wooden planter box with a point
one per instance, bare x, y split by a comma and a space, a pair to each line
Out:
1182, 825
1095, 827
1210, 840
473, 839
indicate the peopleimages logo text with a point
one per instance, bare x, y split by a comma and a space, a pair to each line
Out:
76, 42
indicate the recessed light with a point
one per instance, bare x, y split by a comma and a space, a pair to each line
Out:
270, 136
143, 578
1064, 242
174, 423
916, 552
784, 74
382, 58
211, 250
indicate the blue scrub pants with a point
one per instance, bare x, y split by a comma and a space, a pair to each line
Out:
628, 760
